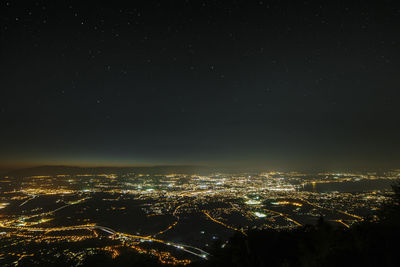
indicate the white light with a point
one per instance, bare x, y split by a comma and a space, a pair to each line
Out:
252, 202
260, 215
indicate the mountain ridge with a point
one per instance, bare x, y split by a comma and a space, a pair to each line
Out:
75, 170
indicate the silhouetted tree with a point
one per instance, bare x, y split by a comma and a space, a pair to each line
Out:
369, 243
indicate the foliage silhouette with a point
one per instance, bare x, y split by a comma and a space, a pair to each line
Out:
369, 243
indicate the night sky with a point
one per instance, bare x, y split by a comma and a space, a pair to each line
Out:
274, 83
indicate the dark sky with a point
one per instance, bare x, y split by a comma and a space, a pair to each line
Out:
215, 82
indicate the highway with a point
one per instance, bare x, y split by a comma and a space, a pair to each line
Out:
340, 211
285, 216
223, 224
123, 236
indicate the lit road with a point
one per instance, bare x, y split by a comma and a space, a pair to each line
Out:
340, 211
189, 249
223, 224
285, 216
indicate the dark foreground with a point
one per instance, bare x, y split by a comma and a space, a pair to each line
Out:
370, 243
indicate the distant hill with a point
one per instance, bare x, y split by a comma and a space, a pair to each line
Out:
6, 170
74, 170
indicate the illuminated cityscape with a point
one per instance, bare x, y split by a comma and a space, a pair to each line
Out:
202, 133
173, 217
